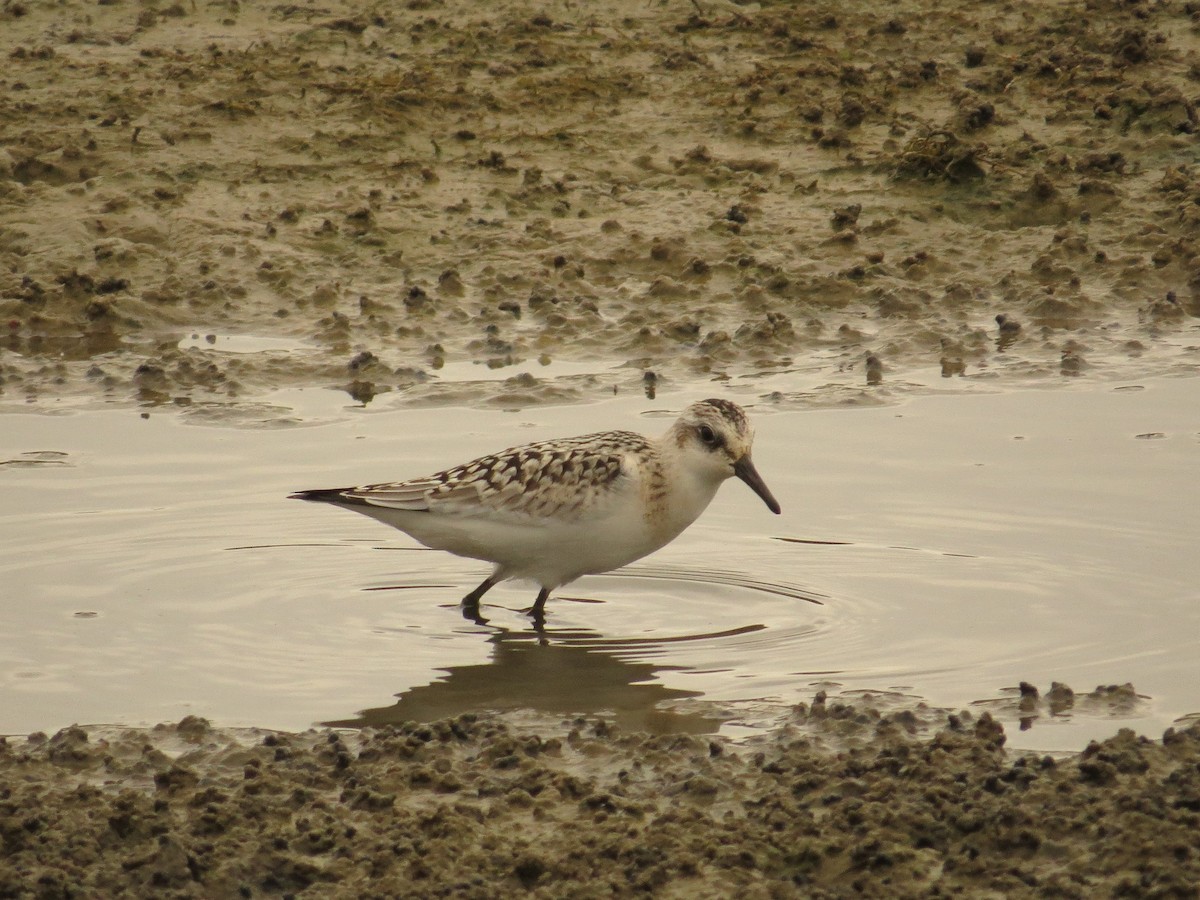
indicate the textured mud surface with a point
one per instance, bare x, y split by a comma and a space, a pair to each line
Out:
841, 801
363, 194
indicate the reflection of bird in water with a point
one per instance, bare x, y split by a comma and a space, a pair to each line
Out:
571, 673
555, 510
1010, 329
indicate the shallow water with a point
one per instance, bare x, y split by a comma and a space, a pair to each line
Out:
943, 548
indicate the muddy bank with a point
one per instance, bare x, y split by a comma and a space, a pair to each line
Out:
699, 191
843, 800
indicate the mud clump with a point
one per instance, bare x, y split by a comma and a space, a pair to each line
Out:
941, 154
842, 800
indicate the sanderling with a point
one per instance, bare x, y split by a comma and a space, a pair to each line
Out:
552, 511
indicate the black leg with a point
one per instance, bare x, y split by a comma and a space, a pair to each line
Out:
470, 603
538, 611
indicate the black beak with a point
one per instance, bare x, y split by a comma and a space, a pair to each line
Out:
744, 469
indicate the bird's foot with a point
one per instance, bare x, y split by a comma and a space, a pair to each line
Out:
470, 612
537, 616
537, 612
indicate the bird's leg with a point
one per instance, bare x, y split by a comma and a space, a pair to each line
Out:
538, 611
470, 603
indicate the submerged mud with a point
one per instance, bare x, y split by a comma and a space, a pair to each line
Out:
680, 191
842, 800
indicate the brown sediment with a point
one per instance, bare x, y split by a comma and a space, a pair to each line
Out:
696, 190
842, 800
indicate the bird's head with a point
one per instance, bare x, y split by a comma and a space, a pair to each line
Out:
716, 438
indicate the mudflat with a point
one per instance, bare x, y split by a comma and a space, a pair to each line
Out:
692, 190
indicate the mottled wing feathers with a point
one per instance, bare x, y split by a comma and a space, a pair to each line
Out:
557, 478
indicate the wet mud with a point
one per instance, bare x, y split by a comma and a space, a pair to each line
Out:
842, 800
681, 191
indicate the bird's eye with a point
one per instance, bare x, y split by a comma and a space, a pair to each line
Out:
707, 435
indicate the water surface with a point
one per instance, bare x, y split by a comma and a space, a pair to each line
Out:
944, 549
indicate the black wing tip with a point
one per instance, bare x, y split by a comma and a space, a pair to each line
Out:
322, 495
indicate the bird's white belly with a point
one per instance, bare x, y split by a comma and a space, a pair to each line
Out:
550, 553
